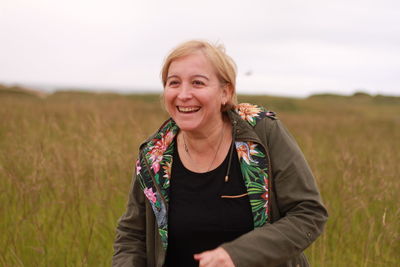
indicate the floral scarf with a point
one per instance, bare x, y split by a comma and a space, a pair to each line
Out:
153, 169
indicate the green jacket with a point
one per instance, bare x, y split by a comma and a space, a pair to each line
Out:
287, 210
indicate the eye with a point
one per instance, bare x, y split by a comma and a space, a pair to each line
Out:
198, 83
173, 83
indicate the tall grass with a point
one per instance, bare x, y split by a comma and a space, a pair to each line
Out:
66, 164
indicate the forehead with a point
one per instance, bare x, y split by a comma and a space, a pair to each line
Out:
195, 63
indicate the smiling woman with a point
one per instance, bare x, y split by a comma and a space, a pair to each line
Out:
193, 95
219, 183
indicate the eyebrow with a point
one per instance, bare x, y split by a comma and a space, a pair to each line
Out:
197, 75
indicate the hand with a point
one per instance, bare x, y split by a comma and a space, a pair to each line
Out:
217, 257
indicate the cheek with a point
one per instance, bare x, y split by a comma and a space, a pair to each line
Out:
168, 99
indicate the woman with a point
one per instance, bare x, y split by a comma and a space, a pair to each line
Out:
219, 184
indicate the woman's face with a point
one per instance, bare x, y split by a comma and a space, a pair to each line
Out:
193, 94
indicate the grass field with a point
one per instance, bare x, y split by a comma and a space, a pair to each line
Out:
66, 163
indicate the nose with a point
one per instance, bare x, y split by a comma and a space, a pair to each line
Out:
185, 92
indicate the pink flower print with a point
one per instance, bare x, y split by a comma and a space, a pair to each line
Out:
252, 147
248, 111
242, 153
167, 169
138, 167
265, 195
246, 150
270, 113
158, 149
148, 192
169, 136
156, 157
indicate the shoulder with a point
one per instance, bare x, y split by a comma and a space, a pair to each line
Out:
253, 121
259, 117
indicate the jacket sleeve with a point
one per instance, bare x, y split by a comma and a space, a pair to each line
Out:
302, 212
130, 243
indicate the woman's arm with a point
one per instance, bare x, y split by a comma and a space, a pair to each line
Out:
302, 212
130, 242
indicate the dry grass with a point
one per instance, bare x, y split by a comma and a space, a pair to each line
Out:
66, 164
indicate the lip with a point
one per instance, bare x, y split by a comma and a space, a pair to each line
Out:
188, 109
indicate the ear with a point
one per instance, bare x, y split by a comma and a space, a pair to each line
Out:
227, 93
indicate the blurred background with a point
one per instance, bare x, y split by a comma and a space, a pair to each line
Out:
287, 48
79, 92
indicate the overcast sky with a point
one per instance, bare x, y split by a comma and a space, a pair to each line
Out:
288, 47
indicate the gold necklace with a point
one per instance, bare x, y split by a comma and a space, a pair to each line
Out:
216, 151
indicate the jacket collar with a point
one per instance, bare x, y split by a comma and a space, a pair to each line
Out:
243, 131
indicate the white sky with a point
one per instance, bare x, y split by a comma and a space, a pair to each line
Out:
291, 47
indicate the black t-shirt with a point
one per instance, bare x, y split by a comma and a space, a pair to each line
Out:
199, 218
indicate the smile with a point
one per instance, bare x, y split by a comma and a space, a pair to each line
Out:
188, 109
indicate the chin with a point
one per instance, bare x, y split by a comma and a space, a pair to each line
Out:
187, 128
187, 124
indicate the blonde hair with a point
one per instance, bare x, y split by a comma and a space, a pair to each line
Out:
224, 65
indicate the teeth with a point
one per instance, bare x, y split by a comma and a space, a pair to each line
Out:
188, 109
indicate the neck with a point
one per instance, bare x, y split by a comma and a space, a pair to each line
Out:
202, 152
200, 142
